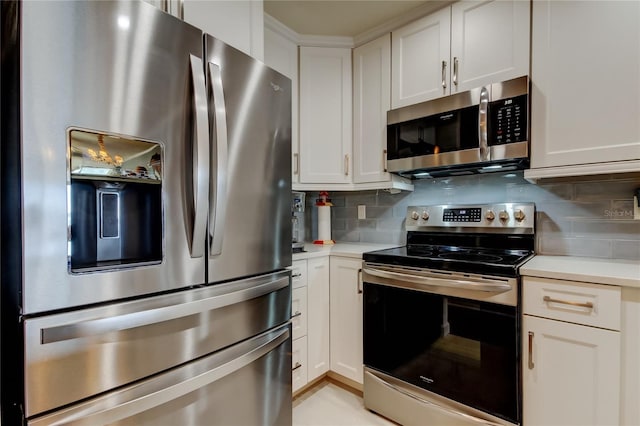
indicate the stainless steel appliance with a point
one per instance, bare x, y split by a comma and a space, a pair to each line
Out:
478, 131
441, 316
297, 221
132, 290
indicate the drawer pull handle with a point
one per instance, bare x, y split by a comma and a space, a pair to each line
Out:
531, 364
587, 305
296, 275
297, 314
298, 365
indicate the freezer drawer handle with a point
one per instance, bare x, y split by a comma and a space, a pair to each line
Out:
153, 316
99, 415
218, 209
437, 282
200, 159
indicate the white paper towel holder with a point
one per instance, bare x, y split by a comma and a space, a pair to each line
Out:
324, 219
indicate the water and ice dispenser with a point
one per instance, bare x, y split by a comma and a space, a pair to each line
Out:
115, 201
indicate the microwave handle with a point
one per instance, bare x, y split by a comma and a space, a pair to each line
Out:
482, 124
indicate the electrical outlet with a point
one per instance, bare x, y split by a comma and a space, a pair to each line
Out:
636, 209
362, 211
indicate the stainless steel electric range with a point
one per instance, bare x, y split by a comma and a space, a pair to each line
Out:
442, 316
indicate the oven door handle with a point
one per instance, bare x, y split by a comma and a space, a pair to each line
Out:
438, 282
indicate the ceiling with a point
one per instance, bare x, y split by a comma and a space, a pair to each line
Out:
342, 17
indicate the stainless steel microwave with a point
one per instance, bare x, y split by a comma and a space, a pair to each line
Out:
481, 130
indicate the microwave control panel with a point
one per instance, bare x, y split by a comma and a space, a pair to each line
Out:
508, 120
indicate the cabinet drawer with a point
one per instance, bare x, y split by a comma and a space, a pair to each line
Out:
299, 312
581, 303
298, 273
299, 363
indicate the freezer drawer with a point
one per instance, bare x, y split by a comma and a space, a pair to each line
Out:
75, 355
246, 384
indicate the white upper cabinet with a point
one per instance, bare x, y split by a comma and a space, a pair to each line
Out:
238, 23
420, 59
371, 101
585, 96
325, 115
489, 42
461, 47
281, 54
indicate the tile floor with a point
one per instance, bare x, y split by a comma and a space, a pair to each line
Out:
328, 404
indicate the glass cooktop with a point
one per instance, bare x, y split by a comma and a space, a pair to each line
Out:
450, 258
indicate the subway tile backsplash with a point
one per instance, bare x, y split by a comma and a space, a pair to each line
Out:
586, 216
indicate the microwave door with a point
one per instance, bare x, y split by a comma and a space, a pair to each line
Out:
109, 211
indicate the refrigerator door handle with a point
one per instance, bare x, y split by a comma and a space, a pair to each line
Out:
138, 399
97, 327
200, 159
217, 213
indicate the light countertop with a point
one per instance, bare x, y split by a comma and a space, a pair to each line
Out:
586, 269
340, 249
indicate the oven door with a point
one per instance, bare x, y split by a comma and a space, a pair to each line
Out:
462, 349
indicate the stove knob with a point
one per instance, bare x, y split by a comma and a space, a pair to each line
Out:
503, 215
490, 215
425, 215
519, 215
415, 215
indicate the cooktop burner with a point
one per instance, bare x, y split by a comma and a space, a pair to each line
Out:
481, 239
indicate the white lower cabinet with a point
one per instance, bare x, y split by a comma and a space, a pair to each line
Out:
299, 376
571, 371
299, 312
318, 317
346, 317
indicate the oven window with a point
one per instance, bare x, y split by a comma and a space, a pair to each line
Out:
462, 349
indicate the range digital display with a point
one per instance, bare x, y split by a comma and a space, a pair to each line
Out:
462, 215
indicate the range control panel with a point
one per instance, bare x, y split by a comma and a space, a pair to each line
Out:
516, 218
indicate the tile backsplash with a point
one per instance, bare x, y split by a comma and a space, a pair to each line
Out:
586, 216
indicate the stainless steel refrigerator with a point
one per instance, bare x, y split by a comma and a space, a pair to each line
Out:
145, 224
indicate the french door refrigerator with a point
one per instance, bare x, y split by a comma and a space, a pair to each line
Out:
145, 227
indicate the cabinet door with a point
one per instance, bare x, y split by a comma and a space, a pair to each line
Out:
420, 60
346, 317
299, 312
325, 115
299, 363
318, 317
571, 374
371, 101
238, 23
489, 42
281, 54
585, 73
